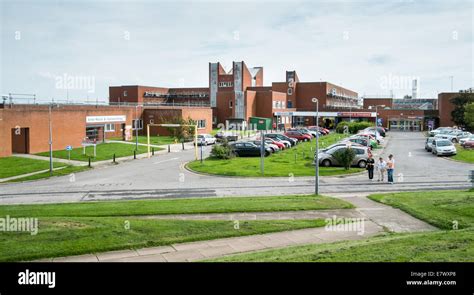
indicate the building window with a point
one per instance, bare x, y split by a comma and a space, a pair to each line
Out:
290, 91
136, 123
125, 93
225, 84
230, 104
109, 128
201, 124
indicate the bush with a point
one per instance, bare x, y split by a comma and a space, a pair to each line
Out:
345, 157
353, 127
222, 151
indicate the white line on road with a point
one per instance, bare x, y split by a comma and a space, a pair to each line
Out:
172, 159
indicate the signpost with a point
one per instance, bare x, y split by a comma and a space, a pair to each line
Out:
68, 149
88, 142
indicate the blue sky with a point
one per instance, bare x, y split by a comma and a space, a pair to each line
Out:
372, 47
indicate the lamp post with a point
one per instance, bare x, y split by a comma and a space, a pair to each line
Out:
316, 176
50, 139
136, 127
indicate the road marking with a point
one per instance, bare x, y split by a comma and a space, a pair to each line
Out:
172, 159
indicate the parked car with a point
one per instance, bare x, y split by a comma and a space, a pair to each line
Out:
380, 130
278, 136
247, 149
362, 141
454, 136
375, 134
439, 130
326, 157
467, 142
205, 139
442, 147
298, 135
229, 136
323, 130
313, 133
280, 145
429, 144
272, 146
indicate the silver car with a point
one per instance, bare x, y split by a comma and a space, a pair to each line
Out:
429, 144
443, 147
326, 157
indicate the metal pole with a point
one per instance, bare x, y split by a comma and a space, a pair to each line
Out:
136, 128
316, 180
50, 143
148, 138
262, 152
195, 141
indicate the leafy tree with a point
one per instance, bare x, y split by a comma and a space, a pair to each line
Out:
460, 102
345, 157
469, 115
182, 133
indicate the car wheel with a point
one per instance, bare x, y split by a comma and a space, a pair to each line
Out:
267, 153
362, 164
326, 163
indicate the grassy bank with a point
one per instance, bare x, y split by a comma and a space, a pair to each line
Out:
14, 166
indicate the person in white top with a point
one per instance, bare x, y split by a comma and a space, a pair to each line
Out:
380, 167
390, 168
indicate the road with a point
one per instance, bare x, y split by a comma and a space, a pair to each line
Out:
164, 176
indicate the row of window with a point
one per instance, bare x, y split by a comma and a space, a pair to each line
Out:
201, 124
278, 104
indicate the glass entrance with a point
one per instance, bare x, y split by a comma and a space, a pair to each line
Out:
405, 124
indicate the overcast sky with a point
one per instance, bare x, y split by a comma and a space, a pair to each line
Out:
79, 48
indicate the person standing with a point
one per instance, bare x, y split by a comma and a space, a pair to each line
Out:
370, 166
381, 166
390, 168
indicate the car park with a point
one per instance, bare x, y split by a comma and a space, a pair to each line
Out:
454, 136
292, 141
272, 146
248, 149
326, 157
205, 139
429, 144
443, 147
298, 135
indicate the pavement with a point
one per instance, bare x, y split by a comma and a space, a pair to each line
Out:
377, 219
164, 176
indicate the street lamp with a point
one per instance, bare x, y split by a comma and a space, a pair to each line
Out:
136, 127
50, 139
316, 177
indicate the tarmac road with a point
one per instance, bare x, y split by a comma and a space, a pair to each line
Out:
164, 176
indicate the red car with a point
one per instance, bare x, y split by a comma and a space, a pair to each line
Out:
298, 135
468, 144
277, 143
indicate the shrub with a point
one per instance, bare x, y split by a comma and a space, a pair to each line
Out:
353, 127
222, 151
345, 157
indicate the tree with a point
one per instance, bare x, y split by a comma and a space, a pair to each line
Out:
345, 157
469, 116
460, 102
223, 151
182, 133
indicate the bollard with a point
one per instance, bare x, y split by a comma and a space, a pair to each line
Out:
89, 162
152, 151
295, 158
169, 150
134, 154
114, 158
182, 145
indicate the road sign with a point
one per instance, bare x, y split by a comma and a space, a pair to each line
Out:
68, 148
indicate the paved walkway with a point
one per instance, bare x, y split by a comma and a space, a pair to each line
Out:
194, 251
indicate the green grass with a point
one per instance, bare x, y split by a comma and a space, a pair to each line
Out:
105, 151
451, 246
464, 155
61, 172
282, 163
80, 235
155, 140
13, 166
177, 206
439, 208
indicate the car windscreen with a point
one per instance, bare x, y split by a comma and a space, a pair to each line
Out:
443, 143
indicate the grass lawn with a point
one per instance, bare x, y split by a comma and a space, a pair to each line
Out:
176, 206
79, 228
437, 208
464, 155
451, 246
65, 171
13, 166
63, 236
296, 161
155, 140
105, 151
